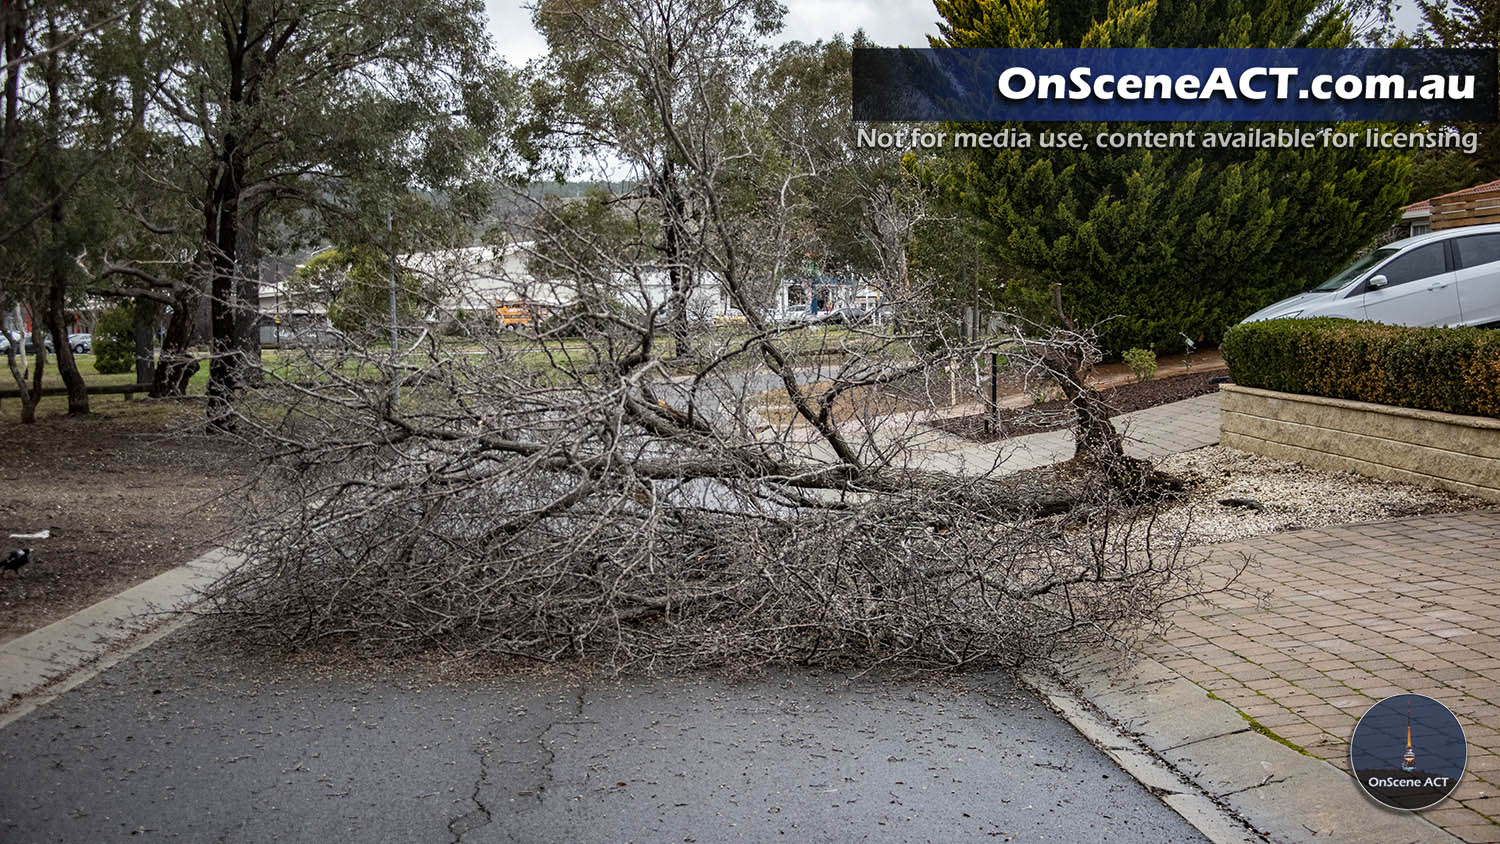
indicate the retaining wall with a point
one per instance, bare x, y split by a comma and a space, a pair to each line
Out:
1445, 450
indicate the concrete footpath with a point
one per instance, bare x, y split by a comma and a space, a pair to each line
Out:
1151, 433
51, 655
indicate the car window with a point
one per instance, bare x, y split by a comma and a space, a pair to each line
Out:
1355, 269
1478, 249
1422, 262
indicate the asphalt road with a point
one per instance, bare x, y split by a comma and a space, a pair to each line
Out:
183, 745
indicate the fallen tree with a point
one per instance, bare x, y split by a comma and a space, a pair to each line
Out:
561, 494
584, 487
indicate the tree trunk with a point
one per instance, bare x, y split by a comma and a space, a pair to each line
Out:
144, 313
1094, 436
13, 33
247, 301
15, 355
222, 234
681, 280
67, 365
57, 263
176, 366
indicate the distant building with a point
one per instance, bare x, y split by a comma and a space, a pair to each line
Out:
816, 293
1471, 206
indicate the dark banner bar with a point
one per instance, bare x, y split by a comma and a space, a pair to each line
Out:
1180, 85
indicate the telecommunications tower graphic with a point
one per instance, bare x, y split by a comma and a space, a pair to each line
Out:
1409, 759
1390, 774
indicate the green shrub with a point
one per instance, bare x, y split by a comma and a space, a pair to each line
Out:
1453, 370
114, 341
1142, 363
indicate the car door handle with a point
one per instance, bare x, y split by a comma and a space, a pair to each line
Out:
1438, 285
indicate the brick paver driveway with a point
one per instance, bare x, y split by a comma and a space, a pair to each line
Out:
1349, 615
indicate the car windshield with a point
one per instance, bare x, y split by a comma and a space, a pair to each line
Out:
1356, 269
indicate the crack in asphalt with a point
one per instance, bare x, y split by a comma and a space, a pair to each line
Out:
545, 778
481, 815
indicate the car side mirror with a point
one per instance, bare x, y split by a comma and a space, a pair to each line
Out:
1377, 282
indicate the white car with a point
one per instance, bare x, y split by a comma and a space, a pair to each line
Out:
27, 341
81, 343
1449, 277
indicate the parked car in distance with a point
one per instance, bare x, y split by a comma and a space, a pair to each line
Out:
30, 341
1448, 277
317, 337
843, 316
788, 317
81, 343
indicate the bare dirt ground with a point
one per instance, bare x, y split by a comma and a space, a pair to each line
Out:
125, 493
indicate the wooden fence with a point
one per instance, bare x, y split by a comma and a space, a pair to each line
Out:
125, 390
1466, 209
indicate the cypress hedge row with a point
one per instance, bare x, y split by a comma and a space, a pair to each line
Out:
1453, 370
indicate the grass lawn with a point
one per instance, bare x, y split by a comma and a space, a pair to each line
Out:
10, 409
566, 359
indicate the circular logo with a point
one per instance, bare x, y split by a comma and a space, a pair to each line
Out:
1408, 752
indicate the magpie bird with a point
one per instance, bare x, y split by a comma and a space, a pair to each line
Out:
16, 559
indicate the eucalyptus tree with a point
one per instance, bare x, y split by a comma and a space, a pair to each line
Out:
647, 86
55, 135
325, 113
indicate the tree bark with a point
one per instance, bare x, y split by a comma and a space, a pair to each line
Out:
246, 343
57, 258
681, 280
13, 33
222, 233
57, 326
1094, 436
15, 352
144, 313
176, 365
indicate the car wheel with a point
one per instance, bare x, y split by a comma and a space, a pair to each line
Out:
79, 349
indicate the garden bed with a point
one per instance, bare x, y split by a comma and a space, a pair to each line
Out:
1052, 416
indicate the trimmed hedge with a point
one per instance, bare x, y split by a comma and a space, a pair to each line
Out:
1453, 370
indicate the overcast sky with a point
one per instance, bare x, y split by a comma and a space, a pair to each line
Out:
889, 23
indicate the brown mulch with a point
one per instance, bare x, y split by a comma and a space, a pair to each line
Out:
1049, 416
125, 496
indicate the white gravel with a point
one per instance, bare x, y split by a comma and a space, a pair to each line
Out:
1293, 496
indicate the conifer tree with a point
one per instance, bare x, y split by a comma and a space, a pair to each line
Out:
1165, 243
1462, 23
